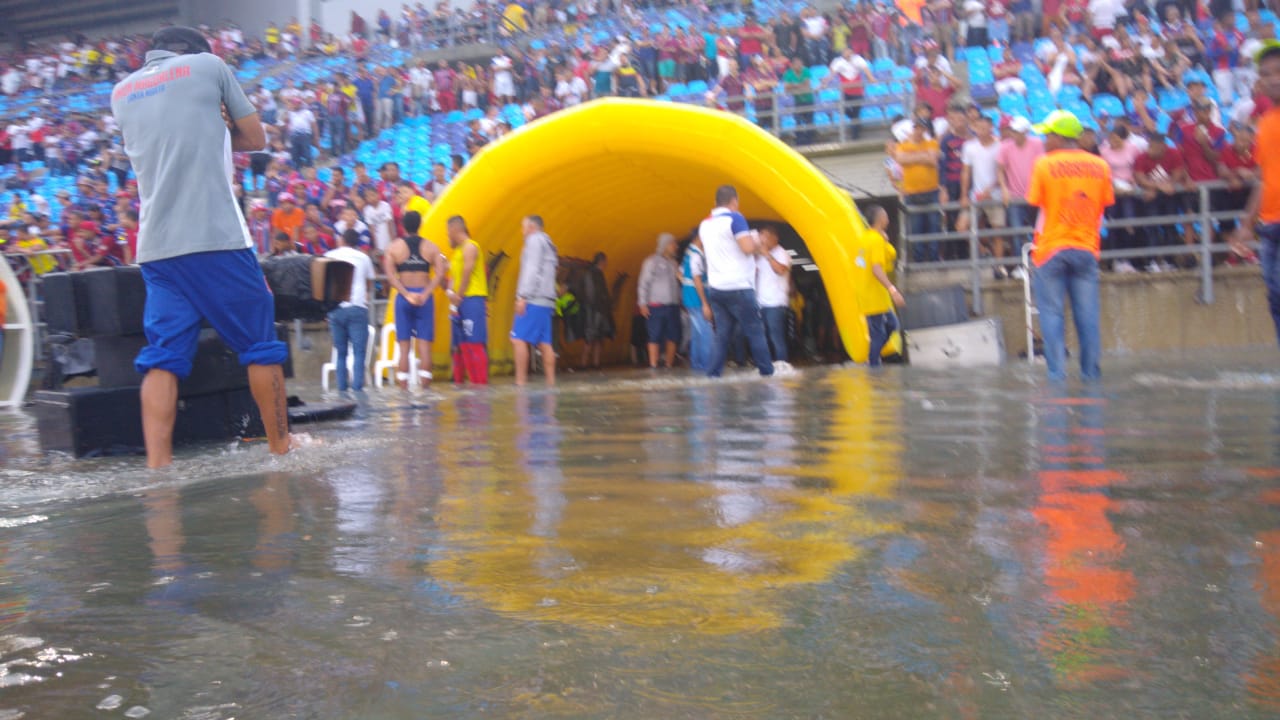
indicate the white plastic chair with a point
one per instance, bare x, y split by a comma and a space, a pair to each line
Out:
390, 360
332, 365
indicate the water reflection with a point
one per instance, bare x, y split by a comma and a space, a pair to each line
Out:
833, 545
725, 499
1083, 554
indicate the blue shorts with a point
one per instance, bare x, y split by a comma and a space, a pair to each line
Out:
471, 323
415, 321
534, 326
664, 324
224, 288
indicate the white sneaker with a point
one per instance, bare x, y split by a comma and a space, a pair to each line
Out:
782, 368
1001, 273
1155, 267
1124, 267
1166, 266
1018, 273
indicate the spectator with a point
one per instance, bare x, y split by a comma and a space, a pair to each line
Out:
628, 81
773, 293
934, 59
1238, 168
535, 301
1008, 75
797, 84
730, 85
918, 158
980, 186
762, 79
1121, 155
658, 298
693, 295
974, 13
350, 220
87, 248
380, 220
1161, 174
951, 164
349, 322
998, 22
931, 93
731, 247
853, 73
337, 112
597, 310
288, 217
300, 124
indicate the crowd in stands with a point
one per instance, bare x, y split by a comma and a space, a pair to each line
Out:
1166, 91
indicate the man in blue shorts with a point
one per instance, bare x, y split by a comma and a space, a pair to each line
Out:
658, 293
535, 300
182, 114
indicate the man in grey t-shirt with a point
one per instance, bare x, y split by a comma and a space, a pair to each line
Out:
181, 115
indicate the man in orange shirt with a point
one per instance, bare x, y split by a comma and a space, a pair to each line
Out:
288, 218
1262, 213
1072, 188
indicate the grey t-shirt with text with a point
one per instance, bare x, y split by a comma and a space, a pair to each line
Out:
170, 114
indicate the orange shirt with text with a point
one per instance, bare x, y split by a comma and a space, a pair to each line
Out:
1269, 165
1072, 188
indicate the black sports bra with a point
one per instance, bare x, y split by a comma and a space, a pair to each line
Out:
415, 263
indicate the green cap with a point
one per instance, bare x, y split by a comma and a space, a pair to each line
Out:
1061, 122
1268, 47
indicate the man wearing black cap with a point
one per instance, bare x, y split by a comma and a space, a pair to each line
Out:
182, 114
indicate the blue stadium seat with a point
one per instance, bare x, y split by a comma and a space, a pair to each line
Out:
1108, 105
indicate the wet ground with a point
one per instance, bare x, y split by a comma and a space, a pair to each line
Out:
836, 544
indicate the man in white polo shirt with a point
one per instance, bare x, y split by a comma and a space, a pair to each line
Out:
731, 247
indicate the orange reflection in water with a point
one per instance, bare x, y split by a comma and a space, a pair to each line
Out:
1082, 549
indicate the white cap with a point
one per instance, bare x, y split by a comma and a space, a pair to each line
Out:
1020, 124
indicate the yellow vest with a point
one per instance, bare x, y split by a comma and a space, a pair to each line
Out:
478, 286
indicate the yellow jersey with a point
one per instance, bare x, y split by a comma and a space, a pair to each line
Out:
273, 36
477, 286
874, 249
40, 264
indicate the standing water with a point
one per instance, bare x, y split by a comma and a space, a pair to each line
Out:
837, 544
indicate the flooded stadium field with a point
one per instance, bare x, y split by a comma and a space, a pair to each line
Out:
836, 544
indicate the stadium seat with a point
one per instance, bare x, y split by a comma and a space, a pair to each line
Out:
1108, 105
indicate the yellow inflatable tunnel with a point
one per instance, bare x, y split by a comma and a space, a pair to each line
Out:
610, 175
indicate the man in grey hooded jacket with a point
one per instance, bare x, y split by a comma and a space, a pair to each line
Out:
659, 299
535, 300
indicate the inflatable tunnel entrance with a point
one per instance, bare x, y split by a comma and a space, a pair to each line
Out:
610, 175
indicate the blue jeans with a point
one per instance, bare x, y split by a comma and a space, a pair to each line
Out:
775, 330
1269, 255
338, 136
1020, 215
925, 222
880, 327
701, 337
300, 149
737, 308
1069, 274
350, 325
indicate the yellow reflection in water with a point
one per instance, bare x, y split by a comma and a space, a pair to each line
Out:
704, 549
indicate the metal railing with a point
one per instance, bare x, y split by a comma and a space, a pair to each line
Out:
980, 268
30, 278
